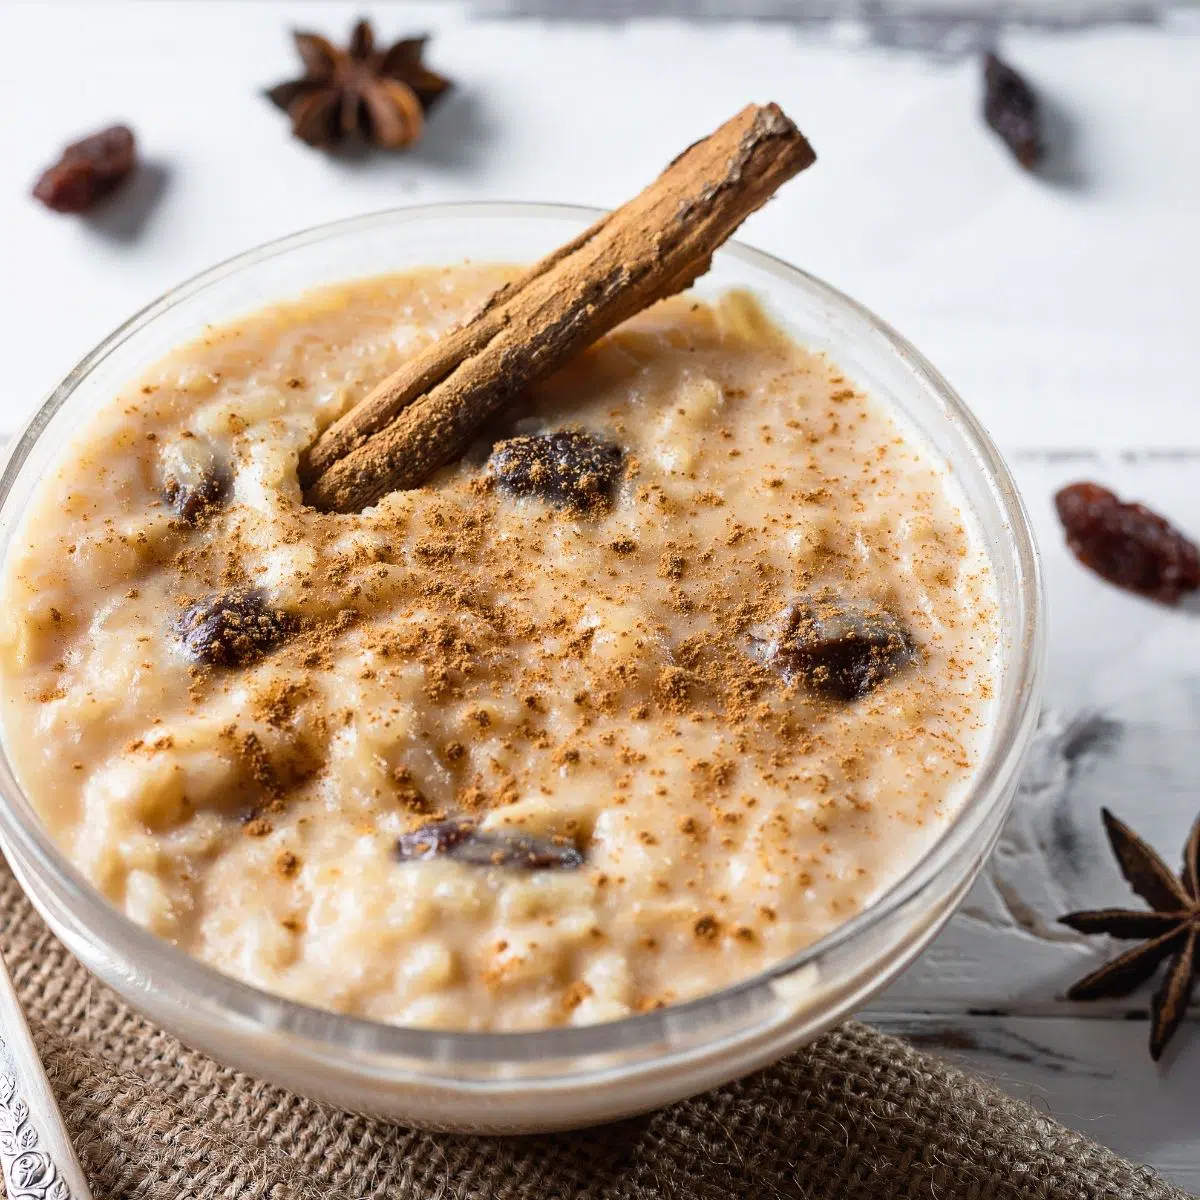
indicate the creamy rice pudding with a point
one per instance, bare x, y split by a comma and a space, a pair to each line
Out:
674, 672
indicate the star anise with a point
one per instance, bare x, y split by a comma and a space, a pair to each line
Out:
1169, 929
380, 96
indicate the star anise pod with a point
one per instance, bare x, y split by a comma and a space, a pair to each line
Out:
380, 96
1169, 929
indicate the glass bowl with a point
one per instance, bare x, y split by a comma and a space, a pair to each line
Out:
568, 1077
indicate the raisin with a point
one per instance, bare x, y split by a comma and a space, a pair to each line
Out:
88, 170
232, 630
568, 467
194, 482
1128, 544
459, 838
838, 648
1011, 109
433, 840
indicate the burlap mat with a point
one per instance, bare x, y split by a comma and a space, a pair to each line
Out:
857, 1116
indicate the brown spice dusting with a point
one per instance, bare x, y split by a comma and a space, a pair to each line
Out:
255, 761
575, 994
287, 864
672, 565
472, 799
282, 699
408, 795
674, 689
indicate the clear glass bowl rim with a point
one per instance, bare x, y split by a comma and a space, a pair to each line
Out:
250, 1006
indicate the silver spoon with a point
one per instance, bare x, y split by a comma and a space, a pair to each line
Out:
35, 1151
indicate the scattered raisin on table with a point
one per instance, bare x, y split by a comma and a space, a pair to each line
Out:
232, 630
88, 170
460, 838
568, 467
1128, 544
1011, 108
194, 482
840, 649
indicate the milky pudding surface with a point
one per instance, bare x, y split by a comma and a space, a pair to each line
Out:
685, 662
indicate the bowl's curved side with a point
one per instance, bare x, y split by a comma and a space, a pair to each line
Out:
549, 1079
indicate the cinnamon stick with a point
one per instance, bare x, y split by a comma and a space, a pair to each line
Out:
427, 412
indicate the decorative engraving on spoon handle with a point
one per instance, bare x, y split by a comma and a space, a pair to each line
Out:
29, 1171
36, 1155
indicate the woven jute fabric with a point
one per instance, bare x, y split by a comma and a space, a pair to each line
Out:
857, 1116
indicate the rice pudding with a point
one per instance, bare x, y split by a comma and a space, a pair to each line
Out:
680, 667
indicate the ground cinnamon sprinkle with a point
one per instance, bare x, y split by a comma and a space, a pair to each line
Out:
287, 864
575, 994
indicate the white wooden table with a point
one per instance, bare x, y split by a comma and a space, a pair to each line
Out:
1065, 310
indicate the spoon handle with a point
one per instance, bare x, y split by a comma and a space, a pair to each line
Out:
35, 1151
